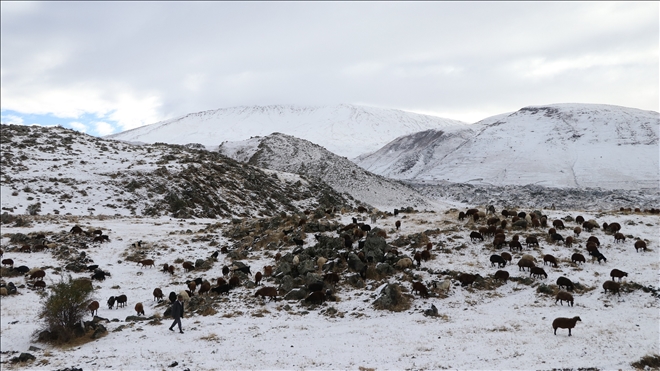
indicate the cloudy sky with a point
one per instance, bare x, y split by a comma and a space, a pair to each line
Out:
105, 67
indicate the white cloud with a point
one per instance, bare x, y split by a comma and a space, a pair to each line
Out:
78, 126
103, 128
12, 120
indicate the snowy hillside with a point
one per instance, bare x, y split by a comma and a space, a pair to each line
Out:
560, 145
346, 130
59, 171
293, 155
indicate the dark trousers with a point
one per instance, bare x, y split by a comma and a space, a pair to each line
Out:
176, 321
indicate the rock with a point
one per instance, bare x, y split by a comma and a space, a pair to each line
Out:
375, 247
355, 263
306, 266
356, 281
174, 364
139, 318
100, 331
32, 348
392, 299
23, 357
286, 283
312, 277
284, 268
199, 263
296, 294
76, 267
384, 269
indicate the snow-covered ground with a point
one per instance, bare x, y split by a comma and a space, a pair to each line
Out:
501, 326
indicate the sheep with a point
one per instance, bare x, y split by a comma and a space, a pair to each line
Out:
320, 262
25, 249
8, 262
506, 256
204, 288
619, 237
569, 241
525, 263
577, 231
578, 258
257, 278
531, 241
498, 242
139, 309
166, 267
467, 279
558, 224
579, 219
417, 257
158, 294
397, 224
121, 300
188, 266
552, 231
225, 271
298, 241
421, 289
270, 292
221, 289
331, 278
501, 275
563, 296
268, 271
76, 230
3, 291
476, 236
614, 227
461, 216
547, 258
111, 302
588, 226
639, 245
565, 282
184, 295
557, 237
245, 269
317, 297
404, 263
501, 263
615, 273
146, 263
612, 286
93, 307
592, 248
537, 272
39, 285
513, 245
192, 286
99, 275
562, 322
22, 269
38, 275
444, 286
234, 281
594, 239
170, 269
529, 257
221, 281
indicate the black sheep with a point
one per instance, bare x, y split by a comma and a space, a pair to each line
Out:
501, 263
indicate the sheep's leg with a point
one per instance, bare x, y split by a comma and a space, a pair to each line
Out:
569, 331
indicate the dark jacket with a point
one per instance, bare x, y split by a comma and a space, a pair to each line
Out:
177, 309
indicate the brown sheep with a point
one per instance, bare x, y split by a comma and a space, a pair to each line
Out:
8, 262
271, 292
139, 309
317, 297
257, 278
397, 224
204, 288
578, 258
426, 255
25, 249
3, 291
146, 263
221, 281
619, 237
268, 271
467, 279
537, 272
76, 230
421, 289
639, 245
525, 263
558, 224
563, 296
594, 239
158, 294
188, 266
39, 285
93, 307
506, 256
569, 241
166, 267
331, 278
501, 275
612, 286
234, 281
531, 240
461, 215
225, 270
171, 269
192, 286
614, 227
550, 259
38, 275
577, 231
579, 219
562, 322
615, 273
498, 242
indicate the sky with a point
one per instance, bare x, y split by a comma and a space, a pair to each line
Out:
106, 67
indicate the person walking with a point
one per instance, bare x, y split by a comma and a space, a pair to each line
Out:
177, 312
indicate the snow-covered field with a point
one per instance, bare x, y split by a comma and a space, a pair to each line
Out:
495, 326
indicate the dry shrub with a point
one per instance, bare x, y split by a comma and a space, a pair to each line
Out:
65, 308
392, 298
649, 362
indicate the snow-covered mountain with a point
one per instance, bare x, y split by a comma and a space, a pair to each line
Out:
559, 145
346, 130
286, 153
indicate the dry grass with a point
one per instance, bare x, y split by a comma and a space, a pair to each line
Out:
211, 337
649, 362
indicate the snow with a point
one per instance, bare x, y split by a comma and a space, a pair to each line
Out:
505, 328
347, 130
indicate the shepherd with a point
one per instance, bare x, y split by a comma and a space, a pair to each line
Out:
177, 312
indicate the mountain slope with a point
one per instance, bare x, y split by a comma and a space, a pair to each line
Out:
51, 170
346, 130
560, 145
286, 153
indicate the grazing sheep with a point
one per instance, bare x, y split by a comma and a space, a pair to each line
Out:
588, 226
529, 257
639, 245
547, 258
426, 255
257, 278
158, 294
221, 281
192, 286
397, 224
579, 219
614, 227
270, 292
404, 263
225, 271
615, 273
498, 242
171, 269
515, 245
501, 275
221, 289
421, 289
76, 230
565, 282
493, 221
121, 300
612, 286
139, 309
38, 275
594, 239
204, 288
93, 307
417, 257
234, 281
578, 258
557, 237
22, 269
331, 278
111, 302
99, 275
506, 256
39, 285
501, 263
619, 237
537, 272
166, 267
592, 248
467, 279
599, 256
552, 231
461, 216
577, 231
531, 241
476, 236
146, 263
444, 286
563, 296
188, 266
25, 249
245, 269
184, 295
562, 322
569, 241
8, 262
525, 263
558, 224
317, 297
268, 270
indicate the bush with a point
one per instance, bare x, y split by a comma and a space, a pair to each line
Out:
65, 308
